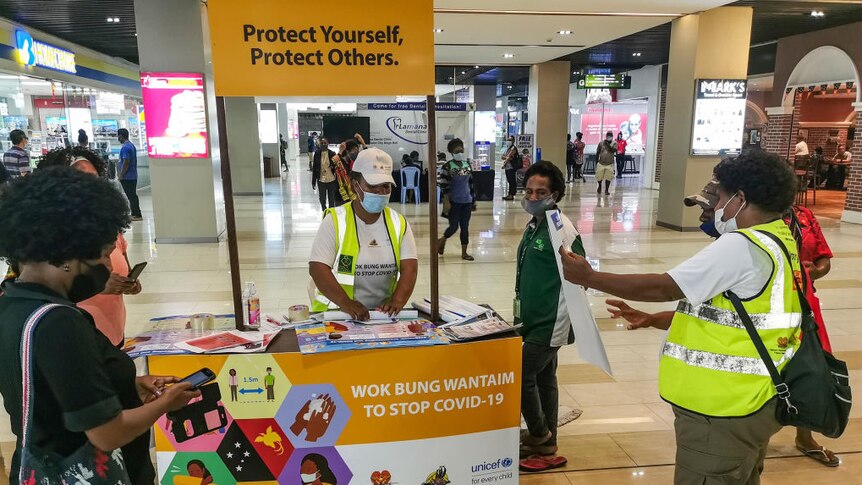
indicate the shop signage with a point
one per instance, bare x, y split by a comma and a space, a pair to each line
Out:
262, 48
344, 418
418, 106
110, 103
176, 114
604, 81
719, 117
32, 52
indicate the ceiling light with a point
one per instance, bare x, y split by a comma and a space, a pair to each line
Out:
463, 72
111, 19
508, 55
475, 67
564, 32
437, 31
817, 13
636, 54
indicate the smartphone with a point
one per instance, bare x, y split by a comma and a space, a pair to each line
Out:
200, 378
137, 270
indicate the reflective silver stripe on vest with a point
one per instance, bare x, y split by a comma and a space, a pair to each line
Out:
344, 279
726, 363
729, 318
776, 298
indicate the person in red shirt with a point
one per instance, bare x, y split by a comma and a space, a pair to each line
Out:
621, 154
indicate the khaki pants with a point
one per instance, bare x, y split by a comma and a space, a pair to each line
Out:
722, 451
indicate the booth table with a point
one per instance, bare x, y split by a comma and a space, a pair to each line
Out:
408, 412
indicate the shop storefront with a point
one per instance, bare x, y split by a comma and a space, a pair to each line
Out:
51, 89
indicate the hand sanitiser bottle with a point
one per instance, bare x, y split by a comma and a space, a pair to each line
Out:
251, 306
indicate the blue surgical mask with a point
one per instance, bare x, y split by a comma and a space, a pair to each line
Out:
708, 228
459, 157
308, 477
374, 203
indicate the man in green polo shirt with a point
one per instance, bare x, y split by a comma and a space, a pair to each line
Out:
540, 307
269, 382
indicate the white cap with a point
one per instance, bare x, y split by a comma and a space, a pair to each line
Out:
375, 165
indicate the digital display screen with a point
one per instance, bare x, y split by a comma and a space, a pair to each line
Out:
719, 117
608, 81
176, 115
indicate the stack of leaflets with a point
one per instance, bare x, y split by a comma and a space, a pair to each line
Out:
478, 329
333, 336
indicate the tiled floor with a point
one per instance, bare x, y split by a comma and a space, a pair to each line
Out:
625, 434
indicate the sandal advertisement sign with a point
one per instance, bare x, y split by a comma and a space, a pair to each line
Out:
453, 417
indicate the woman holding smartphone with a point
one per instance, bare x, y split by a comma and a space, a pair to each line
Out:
85, 389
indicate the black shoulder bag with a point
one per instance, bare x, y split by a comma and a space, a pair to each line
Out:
814, 386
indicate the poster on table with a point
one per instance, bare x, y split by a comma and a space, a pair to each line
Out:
446, 414
719, 117
176, 115
263, 48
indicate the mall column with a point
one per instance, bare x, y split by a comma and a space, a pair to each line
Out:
186, 192
853, 205
548, 109
709, 45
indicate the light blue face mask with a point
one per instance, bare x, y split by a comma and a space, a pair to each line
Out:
374, 203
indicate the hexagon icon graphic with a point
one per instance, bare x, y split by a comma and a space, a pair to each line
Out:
252, 386
325, 463
166, 439
195, 468
313, 415
269, 441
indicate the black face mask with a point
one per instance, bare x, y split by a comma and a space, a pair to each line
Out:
89, 284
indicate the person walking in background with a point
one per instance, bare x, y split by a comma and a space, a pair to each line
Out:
461, 193
129, 172
83, 140
282, 148
579, 156
571, 158
540, 308
16, 160
605, 157
312, 145
511, 164
323, 176
621, 154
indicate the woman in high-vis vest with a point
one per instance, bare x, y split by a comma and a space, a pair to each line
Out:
710, 372
364, 255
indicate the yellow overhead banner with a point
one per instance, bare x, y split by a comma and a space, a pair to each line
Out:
331, 48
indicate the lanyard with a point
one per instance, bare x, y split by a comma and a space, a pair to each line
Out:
525, 244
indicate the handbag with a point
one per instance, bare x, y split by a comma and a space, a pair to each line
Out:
87, 465
814, 386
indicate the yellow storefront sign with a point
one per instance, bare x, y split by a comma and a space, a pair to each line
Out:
338, 48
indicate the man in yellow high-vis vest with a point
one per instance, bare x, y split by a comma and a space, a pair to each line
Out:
364, 255
710, 372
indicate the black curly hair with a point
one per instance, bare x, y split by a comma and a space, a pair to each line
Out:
59, 214
767, 180
550, 171
64, 157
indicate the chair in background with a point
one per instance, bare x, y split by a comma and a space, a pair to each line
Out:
410, 181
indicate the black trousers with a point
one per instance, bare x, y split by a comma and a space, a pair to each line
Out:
540, 396
511, 178
570, 172
621, 163
835, 176
328, 190
130, 187
459, 217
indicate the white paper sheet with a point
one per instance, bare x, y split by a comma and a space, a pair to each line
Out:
587, 336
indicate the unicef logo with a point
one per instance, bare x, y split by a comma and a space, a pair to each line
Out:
24, 44
507, 462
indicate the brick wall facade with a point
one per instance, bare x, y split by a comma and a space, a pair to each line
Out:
659, 146
819, 137
777, 134
854, 189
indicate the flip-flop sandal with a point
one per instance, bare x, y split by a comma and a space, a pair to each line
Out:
536, 463
821, 456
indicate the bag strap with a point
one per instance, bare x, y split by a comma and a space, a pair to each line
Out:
778, 382
27, 370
